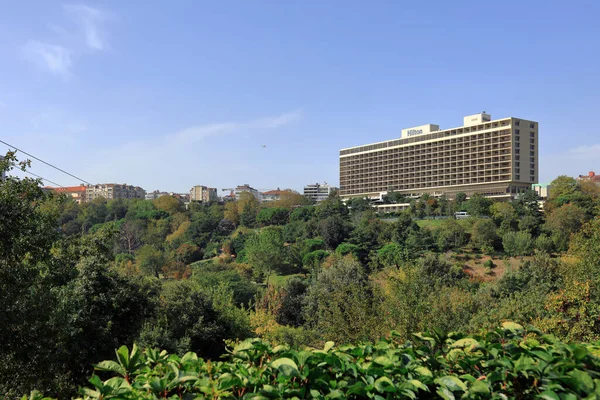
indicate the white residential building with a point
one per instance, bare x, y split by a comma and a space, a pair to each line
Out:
318, 192
203, 194
247, 188
114, 191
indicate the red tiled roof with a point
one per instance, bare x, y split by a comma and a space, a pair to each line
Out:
274, 192
68, 189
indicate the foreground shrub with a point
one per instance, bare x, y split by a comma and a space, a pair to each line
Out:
506, 363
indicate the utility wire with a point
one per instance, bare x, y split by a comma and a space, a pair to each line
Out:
32, 156
38, 176
42, 178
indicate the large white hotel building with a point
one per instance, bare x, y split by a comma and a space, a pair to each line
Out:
497, 158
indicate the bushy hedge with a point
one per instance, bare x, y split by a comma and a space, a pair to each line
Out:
510, 362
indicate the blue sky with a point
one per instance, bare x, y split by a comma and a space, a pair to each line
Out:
167, 95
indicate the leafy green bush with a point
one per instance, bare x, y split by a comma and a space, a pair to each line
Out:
314, 258
509, 362
347, 248
273, 216
311, 245
544, 243
517, 243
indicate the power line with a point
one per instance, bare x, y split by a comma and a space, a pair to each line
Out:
32, 156
38, 176
42, 178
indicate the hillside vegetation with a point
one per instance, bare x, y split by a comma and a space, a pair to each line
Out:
79, 281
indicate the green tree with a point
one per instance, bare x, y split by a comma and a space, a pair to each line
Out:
483, 235
302, 213
358, 204
393, 255
348, 248
313, 260
333, 230
289, 199
130, 236
311, 245
562, 186
190, 318
332, 206
248, 216
504, 215
460, 199
265, 252
292, 303
116, 208
369, 233
531, 224
273, 216
94, 212
168, 204
544, 243
150, 260
231, 213
338, 304
403, 227
517, 243
478, 205
450, 235
562, 222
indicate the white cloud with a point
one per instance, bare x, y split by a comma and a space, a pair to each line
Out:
572, 162
90, 20
199, 132
281, 120
181, 158
592, 151
54, 58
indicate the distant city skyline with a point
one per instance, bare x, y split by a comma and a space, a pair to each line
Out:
171, 95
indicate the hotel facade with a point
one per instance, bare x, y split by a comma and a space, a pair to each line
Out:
496, 158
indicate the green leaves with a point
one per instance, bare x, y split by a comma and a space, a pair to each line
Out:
285, 366
385, 384
581, 381
128, 363
451, 383
505, 363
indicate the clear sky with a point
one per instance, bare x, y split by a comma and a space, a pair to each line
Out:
169, 94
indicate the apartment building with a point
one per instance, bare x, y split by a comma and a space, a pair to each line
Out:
496, 158
271, 195
247, 188
114, 191
318, 192
203, 194
77, 193
155, 195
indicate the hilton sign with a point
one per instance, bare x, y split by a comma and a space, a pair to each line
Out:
413, 132
419, 130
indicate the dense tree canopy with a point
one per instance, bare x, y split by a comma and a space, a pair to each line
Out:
78, 281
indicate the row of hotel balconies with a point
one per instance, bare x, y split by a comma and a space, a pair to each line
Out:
407, 177
426, 167
429, 153
444, 174
385, 187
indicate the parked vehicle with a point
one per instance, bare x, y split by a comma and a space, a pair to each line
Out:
461, 215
